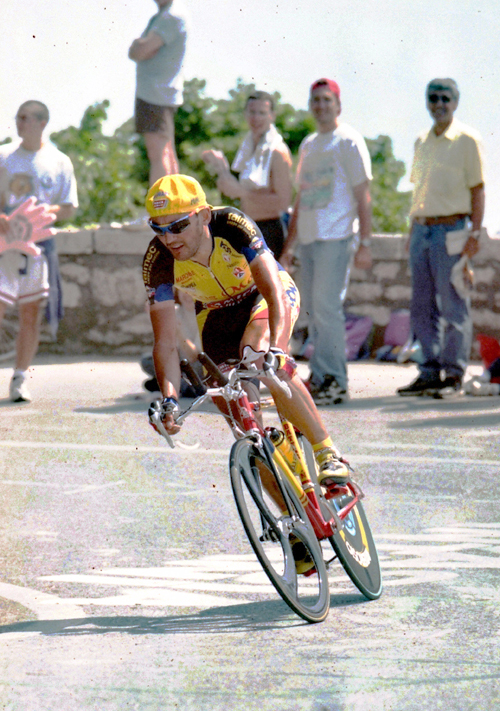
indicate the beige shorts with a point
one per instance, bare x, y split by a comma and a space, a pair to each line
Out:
23, 277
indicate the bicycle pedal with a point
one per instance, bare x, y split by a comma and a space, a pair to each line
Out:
309, 572
335, 490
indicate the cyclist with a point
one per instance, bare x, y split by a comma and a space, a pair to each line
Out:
246, 303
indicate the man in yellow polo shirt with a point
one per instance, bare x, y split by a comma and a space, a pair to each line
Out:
446, 214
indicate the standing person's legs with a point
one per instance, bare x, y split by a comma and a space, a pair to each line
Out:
326, 268
24, 278
423, 308
28, 338
456, 322
160, 146
156, 124
3, 308
30, 316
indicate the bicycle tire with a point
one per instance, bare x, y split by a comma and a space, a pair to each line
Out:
353, 543
308, 597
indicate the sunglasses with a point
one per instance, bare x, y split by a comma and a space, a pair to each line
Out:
434, 98
173, 228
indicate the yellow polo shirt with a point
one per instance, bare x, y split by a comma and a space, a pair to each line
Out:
444, 170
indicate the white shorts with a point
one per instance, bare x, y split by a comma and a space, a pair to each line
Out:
23, 277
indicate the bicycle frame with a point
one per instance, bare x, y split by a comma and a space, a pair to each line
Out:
298, 510
306, 489
243, 422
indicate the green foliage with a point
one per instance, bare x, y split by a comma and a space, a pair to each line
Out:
112, 171
390, 207
203, 123
105, 167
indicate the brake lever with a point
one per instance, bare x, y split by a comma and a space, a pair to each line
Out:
154, 414
271, 373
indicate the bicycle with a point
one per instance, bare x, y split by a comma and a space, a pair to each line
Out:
286, 514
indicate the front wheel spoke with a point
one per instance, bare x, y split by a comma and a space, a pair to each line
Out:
289, 576
262, 510
256, 492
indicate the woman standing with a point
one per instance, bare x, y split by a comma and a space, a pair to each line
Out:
263, 169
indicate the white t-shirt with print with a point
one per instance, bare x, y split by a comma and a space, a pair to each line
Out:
330, 165
47, 174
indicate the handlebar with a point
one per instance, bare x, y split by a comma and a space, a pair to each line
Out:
223, 383
213, 370
270, 362
154, 414
193, 377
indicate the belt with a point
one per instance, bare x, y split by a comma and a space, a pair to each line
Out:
444, 220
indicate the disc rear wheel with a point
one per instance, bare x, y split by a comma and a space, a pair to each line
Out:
353, 542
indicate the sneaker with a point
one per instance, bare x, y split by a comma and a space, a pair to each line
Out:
420, 386
147, 365
151, 385
18, 390
331, 469
451, 385
304, 564
477, 385
328, 392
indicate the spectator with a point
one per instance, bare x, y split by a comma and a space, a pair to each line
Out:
159, 54
333, 178
448, 177
33, 168
263, 165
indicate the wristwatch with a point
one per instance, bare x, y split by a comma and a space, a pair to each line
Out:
365, 241
169, 405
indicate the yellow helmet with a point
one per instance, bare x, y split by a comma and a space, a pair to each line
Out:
174, 195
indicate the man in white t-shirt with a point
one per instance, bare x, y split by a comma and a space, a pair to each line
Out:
333, 179
35, 168
159, 55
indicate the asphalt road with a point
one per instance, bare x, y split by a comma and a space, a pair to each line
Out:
127, 582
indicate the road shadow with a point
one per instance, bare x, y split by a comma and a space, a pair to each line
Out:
266, 615
7, 402
471, 412
396, 404
135, 402
460, 412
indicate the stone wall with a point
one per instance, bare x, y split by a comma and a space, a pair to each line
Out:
387, 287
104, 296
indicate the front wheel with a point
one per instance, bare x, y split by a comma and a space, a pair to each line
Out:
274, 524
